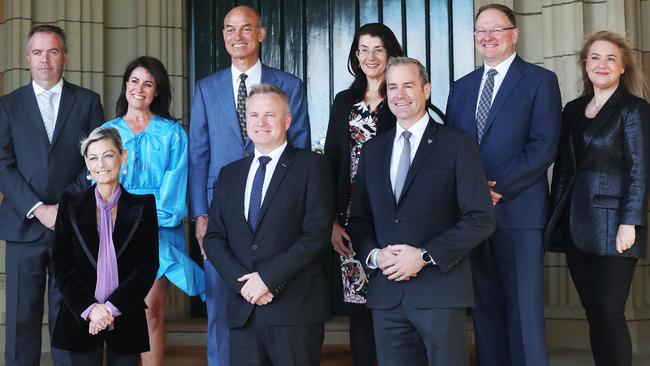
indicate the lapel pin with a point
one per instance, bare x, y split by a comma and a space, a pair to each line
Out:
284, 165
429, 141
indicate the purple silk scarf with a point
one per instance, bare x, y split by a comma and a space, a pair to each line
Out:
107, 276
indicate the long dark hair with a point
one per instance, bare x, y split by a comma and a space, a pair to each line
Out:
393, 49
162, 100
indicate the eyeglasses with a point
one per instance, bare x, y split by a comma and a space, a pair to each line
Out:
492, 32
364, 52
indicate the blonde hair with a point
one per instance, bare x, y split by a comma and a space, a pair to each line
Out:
632, 78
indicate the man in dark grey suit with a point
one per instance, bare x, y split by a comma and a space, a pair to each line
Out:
270, 219
41, 125
420, 205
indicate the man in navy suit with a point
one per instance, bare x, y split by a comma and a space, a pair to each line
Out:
270, 221
218, 136
420, 205
41, 125
513, 109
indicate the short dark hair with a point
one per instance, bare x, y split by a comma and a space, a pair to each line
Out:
422, 71
48, 28
502, 8
393, 49
162, 101
270, 89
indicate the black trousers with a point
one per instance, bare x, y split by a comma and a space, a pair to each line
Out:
603, 284
406, 335
261, 344
28, 268
362, 341
96, 357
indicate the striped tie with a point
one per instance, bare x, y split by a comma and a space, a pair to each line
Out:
484, 104
255, 201
47, 111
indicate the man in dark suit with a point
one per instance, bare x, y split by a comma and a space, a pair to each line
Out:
420, 206
270, 219
513, 109
41, 125
218, 137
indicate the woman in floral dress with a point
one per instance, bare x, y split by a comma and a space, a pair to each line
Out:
357, 115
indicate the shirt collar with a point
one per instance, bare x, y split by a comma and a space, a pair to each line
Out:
417, 129
254, 73
501, 68
56, 89
274, 155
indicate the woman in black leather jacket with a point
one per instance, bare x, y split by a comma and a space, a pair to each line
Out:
599, 190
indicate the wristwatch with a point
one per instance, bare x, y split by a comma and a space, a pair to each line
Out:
425, 256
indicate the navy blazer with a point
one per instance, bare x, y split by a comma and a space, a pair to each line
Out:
520, 139
445, 207
74, 259
31, 168
337, 144
215, 136
293, 231
609, 186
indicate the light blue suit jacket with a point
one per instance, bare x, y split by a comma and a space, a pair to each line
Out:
215, 136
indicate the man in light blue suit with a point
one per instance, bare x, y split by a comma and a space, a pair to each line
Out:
218, 136
513, 109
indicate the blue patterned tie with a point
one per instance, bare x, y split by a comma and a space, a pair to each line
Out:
484, 104
241, 105
255, 202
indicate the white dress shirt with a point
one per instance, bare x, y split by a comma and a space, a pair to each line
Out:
254, 77
57, 89
417, 131
270, 168
502, 70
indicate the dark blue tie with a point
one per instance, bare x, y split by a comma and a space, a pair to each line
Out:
255, 202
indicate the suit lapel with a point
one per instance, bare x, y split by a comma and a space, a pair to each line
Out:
512, 78
240, 194
279, 173
127, 220
474, 87
429, 139
65, 106
83, 218
389, 144
30, 106
227, 105
602, 117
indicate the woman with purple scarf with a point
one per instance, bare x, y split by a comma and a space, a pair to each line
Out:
105, 258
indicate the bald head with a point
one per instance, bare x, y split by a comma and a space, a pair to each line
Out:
242, 34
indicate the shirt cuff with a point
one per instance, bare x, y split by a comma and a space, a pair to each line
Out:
116, 312
86, 312
371, 260
30, 213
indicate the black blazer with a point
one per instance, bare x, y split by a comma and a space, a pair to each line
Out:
74, 258
32, 169
610, 185
445, 208
337, 144
294, 229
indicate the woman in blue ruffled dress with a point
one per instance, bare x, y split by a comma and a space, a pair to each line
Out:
157, 164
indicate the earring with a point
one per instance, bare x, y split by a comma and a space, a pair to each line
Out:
123, 170
88, 176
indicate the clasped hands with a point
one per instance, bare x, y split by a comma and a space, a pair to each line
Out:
400, 262
101, 317
254, 290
